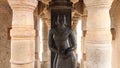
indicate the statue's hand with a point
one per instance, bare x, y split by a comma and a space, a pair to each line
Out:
61, 52
67, 51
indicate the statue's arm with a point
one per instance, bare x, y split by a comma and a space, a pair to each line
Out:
51, 42
72, 41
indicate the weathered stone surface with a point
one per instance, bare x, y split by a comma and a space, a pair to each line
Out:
5, 24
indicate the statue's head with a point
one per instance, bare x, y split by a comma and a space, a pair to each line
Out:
61, 21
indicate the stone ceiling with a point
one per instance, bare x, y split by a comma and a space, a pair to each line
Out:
77, 11
47, 1
43, 8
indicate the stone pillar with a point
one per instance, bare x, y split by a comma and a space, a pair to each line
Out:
84, 22
46, 52
48, 25
37, 39
22, 34
114, 46
83, 46
37, 50
98, 36
74, 26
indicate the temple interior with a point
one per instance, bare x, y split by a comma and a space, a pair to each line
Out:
25, 25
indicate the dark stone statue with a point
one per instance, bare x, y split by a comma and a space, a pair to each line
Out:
62, 42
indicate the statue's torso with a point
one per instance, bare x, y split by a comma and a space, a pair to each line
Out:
62, 42
61, 38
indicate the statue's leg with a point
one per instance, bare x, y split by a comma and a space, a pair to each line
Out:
55, 61
71, 61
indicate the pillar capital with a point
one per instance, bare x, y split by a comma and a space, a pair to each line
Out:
84, 22
98, 3
23, 13
23, 4
74, 23
98, 10
74, 1
45, 1
48, 23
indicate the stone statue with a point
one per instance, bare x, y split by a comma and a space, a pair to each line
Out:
63, 43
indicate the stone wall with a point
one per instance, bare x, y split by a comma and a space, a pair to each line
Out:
5, 25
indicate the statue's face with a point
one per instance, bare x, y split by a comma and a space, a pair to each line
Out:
61, 24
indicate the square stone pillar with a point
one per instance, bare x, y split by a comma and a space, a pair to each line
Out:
46, 52
22, 34
83, 46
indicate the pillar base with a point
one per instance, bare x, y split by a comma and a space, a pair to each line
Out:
30, 65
